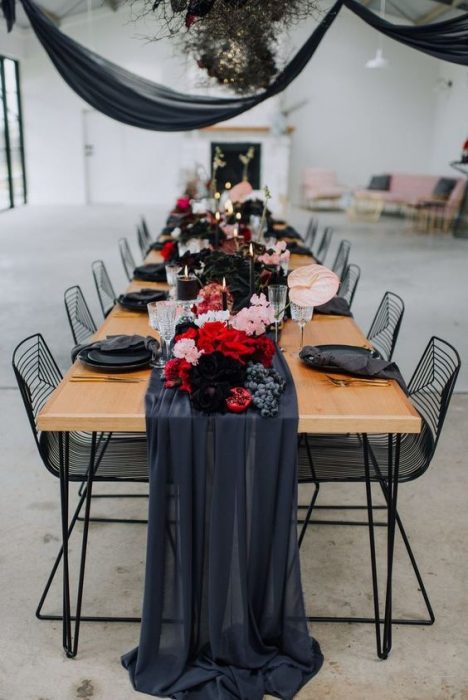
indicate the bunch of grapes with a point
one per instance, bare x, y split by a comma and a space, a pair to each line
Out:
266, 387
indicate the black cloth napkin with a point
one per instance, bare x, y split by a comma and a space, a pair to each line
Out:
223, 613
335, 307
116, 344
153, 272
298, 249
142, 297
357, 364
287, 232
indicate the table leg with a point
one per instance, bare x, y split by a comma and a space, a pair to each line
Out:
69, 640
384, 644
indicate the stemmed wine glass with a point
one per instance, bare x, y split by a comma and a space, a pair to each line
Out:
163, 318
172, 271
277, 295
302, 315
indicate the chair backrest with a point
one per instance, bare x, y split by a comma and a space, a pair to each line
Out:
385, 327
79, 316
104, 288
128, 261
341, 259
349, 283
145, 231
142, 242
324, 245
37, 375
432, 384
311, 232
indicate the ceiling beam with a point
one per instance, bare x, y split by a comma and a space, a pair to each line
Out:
438, 11
400, 11
51, 15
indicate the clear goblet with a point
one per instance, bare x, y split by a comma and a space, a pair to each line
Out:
277, 295
172, 271
163, 318
302, 315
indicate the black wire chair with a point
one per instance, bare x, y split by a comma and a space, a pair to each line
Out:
145, 231
386, 325
341, 259
311, 233
81, 322
387, 460
128, 261
79, 457
143, 243
324, 245
349, 283
104, 288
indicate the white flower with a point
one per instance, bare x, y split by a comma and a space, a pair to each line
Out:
210, 316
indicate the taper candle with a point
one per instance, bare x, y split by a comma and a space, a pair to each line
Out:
252, 270
224, 295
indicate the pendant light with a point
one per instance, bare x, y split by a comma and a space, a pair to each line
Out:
379, 60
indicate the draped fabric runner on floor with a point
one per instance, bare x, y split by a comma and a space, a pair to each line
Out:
223, 614
133, 100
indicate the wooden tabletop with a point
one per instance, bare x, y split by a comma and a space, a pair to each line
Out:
113, 406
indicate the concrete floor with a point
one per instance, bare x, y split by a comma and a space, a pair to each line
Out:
46, 249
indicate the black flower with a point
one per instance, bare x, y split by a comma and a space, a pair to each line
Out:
212, 379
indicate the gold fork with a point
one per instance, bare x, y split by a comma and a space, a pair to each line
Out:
357, 380
87, 378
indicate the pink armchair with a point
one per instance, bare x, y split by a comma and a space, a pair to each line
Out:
320, 186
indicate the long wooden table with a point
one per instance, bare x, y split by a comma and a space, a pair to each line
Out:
322, 407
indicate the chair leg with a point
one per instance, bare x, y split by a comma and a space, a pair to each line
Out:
308, 514
67, 529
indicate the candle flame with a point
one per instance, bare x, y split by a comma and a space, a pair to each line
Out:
238, 216
217, 216
186, 271
251, 249
224, 283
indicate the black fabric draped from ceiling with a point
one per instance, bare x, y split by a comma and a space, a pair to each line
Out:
133, 100
223, 614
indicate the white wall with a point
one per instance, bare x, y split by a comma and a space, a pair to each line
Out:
357, 121
11, 44
360, 121
451, 118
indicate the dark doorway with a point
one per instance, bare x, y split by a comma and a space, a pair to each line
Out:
234, 168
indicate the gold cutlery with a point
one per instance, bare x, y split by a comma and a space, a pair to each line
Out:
127, 380
356, 380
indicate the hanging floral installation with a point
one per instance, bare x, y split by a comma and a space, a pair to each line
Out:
234, 41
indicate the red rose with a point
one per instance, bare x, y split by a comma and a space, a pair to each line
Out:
191, 333
215, 336
177, 374
264, 350
183, 205
169, 251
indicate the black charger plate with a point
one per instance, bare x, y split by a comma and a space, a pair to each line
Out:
118, 362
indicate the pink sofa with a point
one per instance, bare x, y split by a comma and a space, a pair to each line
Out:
319, 184
411, 190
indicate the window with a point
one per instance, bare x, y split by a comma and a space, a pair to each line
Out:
12, 171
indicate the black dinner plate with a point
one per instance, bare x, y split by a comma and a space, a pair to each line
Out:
121, 362
345, 349
140, 305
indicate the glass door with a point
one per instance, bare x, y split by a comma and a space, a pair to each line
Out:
12, 170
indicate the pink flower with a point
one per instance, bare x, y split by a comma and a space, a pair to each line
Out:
254, 319
312, 285
186, 349
278, 254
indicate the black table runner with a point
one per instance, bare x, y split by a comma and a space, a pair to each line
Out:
223, 614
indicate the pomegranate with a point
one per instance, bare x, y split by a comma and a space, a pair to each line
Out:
238, 400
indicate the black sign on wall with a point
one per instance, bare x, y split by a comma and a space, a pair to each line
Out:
234, 168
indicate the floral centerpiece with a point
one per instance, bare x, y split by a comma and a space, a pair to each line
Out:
226, 364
